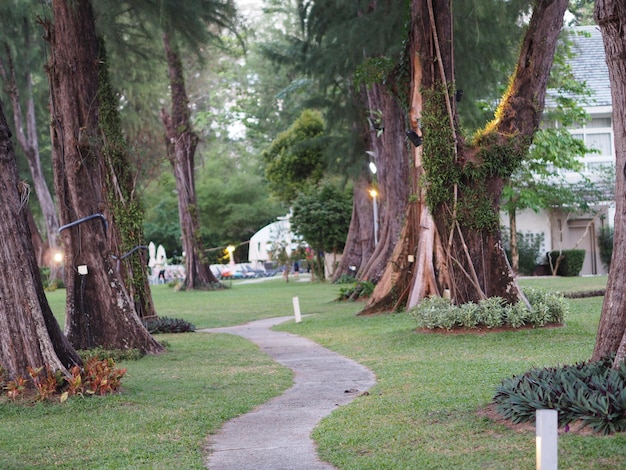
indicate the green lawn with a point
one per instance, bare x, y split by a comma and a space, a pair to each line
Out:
422, 413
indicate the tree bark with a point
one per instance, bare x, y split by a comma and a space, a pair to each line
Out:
29, 333
181, 145
99, 310
611, 17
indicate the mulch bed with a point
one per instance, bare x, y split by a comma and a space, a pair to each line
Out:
489, 412
481, 330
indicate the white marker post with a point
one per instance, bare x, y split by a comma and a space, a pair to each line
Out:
547, 422
296, 309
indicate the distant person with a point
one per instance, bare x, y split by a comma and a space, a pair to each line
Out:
296, 269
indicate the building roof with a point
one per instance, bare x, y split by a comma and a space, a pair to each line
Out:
589, 63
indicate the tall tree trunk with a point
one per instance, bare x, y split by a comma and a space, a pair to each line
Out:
126, 208
360, 241
29, 333
465, 181
99, 309
514, 248
410, 273
392, 162
611, 17
29, 142
181, 144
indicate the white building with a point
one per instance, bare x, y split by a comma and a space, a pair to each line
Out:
264, 242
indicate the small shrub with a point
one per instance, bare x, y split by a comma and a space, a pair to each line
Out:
345, 279
101, 377
528, 247
516, 315
44, 274
16, 387
55, 284
605, 242
366, 288
97, 377
490, 312
592, 393
359, 290
570, 265
467, 315
46, 384
434, 312
117, 355
75, 384
553, 304
167, 325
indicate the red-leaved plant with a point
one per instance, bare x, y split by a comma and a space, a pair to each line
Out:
97, 377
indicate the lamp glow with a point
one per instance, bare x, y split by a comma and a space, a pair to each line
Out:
374, 195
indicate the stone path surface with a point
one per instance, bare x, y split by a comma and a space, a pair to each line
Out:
277, 434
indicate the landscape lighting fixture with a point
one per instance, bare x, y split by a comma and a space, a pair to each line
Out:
414, 137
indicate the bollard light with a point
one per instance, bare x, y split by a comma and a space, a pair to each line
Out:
547, 423
296, 309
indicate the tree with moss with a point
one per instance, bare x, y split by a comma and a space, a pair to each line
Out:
461, 180
99, 309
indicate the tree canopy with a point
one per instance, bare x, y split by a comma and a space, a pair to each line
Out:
295, 159
322, 217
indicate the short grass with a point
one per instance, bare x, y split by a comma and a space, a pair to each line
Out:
420, 415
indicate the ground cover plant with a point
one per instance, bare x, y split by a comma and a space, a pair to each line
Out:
425, 411
590, 394
438, 313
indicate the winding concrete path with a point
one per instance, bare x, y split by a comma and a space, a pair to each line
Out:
277, 434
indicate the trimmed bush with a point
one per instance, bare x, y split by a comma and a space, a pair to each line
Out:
591, 393
437, 312
528, 247
570, 265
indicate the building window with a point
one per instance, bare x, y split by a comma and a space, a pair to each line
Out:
597, 134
